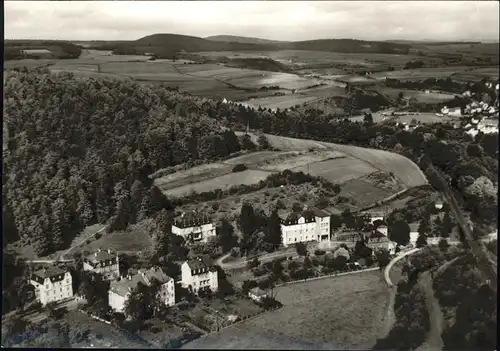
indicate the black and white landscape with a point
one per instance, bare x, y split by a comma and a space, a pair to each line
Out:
276, 175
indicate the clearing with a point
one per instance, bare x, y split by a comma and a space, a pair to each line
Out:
347, 311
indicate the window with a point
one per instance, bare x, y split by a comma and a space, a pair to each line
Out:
60, 289
295, 239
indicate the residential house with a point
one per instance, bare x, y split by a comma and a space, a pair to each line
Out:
382, 229
379, 241
257, 294
307, 225
413, 238
194, 227
488, 126
439, 204
455, 111
120, 290
375, 216
199, 273
52, 284
103, 262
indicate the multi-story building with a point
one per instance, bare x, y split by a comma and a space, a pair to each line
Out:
52, 284
120, 290
304, 226
103, 262
194, 227
199, 273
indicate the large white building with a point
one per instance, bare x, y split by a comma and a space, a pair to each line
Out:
308, 225
120, 290
194, 228
52, 284
198, 274
103, 262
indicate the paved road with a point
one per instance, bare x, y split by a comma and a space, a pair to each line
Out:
399, 257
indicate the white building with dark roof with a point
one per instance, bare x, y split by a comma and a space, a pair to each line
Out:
52, 284
120, 290
199, 273
194, 227
307, 225
257, 294
103, 262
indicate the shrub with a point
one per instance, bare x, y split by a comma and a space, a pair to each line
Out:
319, 252
88, 241
98, 236
239, 168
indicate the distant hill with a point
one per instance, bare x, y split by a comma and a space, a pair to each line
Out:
167, 45
244, 40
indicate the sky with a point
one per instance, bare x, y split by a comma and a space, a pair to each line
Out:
277, 20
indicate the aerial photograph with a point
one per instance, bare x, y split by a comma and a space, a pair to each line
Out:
294, 175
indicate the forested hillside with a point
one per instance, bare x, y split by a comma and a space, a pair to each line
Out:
80, 151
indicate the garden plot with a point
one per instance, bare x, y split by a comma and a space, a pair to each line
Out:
339, 170
362, 193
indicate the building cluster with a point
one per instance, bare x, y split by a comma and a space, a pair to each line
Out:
56, 285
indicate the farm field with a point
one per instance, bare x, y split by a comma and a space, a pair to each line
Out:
403, 168
281, 102
285, 161
260, 157
441, 72
420, 96
247, 177
339, 170
408, 119
341, 312
192, 175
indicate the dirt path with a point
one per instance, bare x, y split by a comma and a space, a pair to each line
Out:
62, 257
434, 340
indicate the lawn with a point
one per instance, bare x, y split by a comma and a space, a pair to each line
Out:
346, 311
338, 170
247, 177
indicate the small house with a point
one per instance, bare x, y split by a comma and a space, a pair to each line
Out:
257, 294
199, 273
194, 227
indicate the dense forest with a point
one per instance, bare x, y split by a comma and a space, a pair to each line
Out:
59, 49
80, 150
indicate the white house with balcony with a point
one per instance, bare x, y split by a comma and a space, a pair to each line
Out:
194, 227
103, 262
199, 273
120, 290
52, 284
307, 225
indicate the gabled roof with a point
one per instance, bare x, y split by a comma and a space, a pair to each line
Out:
308, 214
101, 256
201, 265
191, 220
126, 285
53, 273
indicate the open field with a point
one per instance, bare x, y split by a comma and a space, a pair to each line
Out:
281, 102
288, 161
134, 239
339, 170
403, 168
247, 177
193, 175
455, 72
259, 157
346, 311
432, 97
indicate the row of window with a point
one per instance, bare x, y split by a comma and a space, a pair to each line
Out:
47, 285
203, 282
